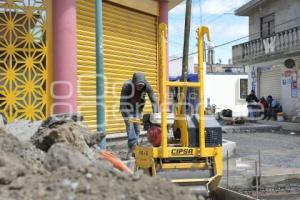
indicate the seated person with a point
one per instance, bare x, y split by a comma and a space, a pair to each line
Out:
274, 107
264, 107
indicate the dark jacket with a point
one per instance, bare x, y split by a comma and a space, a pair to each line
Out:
264, 103
251, 98
132, 100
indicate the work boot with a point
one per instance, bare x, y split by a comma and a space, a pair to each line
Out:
130, 154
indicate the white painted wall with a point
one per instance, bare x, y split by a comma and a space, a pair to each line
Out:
223, 90
290, 104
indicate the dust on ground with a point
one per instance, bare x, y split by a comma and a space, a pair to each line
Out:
279, 151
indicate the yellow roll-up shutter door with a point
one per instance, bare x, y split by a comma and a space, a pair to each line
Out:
130, 45
86, 61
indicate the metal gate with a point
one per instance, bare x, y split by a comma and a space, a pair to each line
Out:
270, 83
23, 59
86, 61
130, 45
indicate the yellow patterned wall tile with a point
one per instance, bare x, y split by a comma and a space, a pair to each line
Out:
23, 52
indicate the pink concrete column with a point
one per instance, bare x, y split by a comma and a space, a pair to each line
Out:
163, 11
64, 86
163, 18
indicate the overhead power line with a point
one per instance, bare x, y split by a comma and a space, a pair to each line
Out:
224, 13
201, 18
235, 40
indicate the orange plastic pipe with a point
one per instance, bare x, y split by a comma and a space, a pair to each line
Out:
115, 161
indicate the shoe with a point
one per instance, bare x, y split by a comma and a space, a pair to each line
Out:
130, 154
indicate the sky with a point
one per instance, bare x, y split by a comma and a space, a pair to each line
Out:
219, 16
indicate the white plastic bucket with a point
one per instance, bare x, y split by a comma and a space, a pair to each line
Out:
280, 118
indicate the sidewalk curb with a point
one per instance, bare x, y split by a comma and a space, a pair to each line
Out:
250, 128
246, 182
289, 126
121, 136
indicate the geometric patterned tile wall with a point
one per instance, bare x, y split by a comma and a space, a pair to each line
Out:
23, 51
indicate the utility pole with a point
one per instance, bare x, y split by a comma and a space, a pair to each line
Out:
187, 28
181, 108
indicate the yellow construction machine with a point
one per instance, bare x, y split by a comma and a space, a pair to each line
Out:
190, 153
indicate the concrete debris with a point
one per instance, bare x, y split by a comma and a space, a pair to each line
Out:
10, 168
93, 138
27, 152
61, 154
68, 133
64, 184
56, 120
61, 168
23, 129
34, 157
68, 129
9, 143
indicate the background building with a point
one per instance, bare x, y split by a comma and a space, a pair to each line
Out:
273, 51
211, 68
226, 86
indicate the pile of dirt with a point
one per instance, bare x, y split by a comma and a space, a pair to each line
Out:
61, 170
23, 129
26, 153
65, 184
68, 129
68, 133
